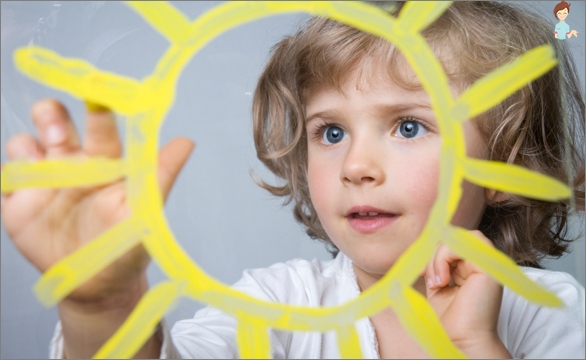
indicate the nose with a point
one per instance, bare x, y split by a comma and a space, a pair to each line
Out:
363, 165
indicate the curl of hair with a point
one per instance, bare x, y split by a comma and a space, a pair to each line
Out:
540, 127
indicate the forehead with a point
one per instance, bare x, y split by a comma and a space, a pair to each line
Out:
377, 95
564, 10
378, 76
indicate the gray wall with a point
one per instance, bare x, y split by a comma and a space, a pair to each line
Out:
224, 221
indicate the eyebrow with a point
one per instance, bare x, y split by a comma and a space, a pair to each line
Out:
387, 109
326, 114
382, 109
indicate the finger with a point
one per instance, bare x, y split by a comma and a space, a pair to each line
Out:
101, 135
24, 147
466, 268
171, 159
429, 273
21, 147
54, 125
443, 259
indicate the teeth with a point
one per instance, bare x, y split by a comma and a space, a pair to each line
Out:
370, 213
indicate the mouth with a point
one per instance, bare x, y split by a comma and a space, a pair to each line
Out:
367, 219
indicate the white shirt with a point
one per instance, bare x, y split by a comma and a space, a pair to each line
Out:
526, 330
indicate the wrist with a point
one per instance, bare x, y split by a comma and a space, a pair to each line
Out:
107, 301
87, 325
489, 347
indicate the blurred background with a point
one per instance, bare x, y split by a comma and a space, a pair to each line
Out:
223, 220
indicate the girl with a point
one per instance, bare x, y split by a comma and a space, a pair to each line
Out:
339, 115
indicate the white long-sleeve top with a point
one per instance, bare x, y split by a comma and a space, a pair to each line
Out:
527, 330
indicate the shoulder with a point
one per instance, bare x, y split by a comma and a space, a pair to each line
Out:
301, 282
530, 330
558, 282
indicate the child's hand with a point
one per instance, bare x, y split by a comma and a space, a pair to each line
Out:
47, 225
467, 302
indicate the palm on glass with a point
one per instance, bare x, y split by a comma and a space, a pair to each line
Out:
47, 225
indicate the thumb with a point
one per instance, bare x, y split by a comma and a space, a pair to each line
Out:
172, 157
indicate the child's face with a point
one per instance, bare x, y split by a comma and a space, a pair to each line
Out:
373, 169
563, 14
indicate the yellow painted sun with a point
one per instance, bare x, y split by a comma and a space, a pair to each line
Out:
145, 105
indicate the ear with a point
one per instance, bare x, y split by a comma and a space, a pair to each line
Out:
492, 196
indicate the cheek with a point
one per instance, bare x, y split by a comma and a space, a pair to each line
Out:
421, 188
321, 173
415, 181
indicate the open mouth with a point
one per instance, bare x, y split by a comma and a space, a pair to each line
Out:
371, 215
368, 220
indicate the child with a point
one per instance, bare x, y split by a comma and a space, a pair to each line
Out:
339, 115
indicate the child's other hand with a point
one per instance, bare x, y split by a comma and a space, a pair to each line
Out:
46, 225
467, 302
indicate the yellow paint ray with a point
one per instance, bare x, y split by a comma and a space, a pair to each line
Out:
141, 323
80, 79
164, 18
503, 82
498, 265
279, 316
449, 190
419, 319
371, 303
74, 270
252, 336
275, 315
94, 107
230, 15
514, 179
226, 16
408, 267
430, 73
363, 17
349, 342
416, 16
61, 173
419, 56
171, 257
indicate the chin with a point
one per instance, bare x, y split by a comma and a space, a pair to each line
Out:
377, 266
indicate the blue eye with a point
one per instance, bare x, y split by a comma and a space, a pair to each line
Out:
333, 135
411, 129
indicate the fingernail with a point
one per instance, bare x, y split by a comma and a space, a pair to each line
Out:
437, 280
55, 134
429, 283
